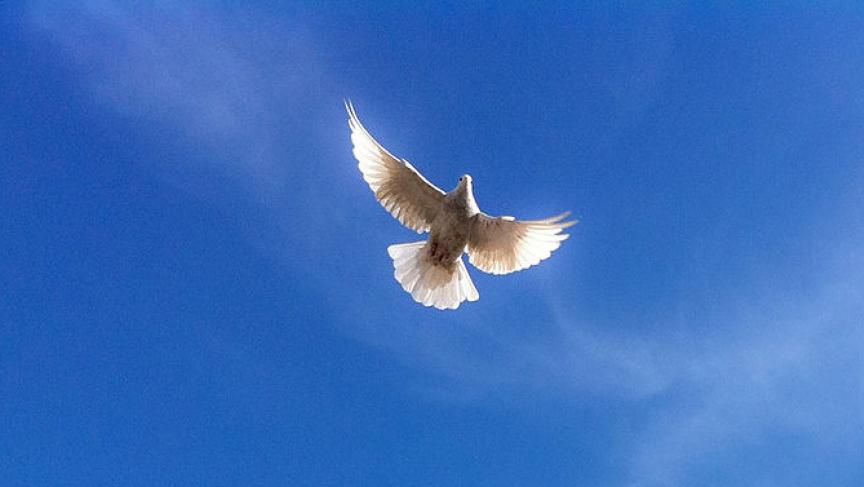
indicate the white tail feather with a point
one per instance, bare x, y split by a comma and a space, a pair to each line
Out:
427, 283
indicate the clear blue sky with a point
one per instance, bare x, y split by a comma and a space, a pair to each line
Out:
195, 288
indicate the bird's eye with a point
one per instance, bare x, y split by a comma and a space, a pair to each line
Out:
460, 179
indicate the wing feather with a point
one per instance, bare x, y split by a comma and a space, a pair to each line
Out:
501, 245
400, 188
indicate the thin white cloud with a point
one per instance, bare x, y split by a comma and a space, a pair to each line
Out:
232, 99
217, 84
782, 370
773, 362
770, 362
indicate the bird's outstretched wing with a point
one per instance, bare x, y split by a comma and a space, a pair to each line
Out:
403, 191
501, 245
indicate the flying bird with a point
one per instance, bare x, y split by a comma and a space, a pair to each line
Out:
432, 270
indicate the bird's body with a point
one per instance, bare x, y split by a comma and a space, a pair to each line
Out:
449, 232
433, 270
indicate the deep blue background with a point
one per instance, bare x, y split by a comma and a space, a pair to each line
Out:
195, 288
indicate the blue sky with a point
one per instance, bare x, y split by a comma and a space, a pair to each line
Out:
196, 289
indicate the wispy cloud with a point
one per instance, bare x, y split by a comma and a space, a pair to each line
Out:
776, 365
768, 362
782, 370
771, 364
224, 86
237, 103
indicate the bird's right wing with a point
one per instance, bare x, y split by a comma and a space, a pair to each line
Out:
403, 191
501, 245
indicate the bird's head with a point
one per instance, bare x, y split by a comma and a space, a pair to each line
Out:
465, 191
465, 182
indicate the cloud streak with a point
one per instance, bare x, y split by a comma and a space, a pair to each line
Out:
213, 84
793, 371
233, 100
769, 364
775, 364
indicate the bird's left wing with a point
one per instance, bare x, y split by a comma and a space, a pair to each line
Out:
501, 245
400, 189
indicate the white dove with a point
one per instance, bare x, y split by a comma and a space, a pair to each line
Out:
432, 271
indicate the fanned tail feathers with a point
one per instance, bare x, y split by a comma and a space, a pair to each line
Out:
428, 283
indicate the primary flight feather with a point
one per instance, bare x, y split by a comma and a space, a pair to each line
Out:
432, 270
